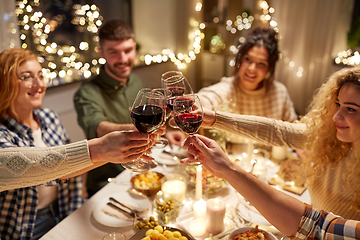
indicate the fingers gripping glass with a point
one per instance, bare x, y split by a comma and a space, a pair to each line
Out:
147, 115
188, 115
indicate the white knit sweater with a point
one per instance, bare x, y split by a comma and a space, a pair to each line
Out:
30, 166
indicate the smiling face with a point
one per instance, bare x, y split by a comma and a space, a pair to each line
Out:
254, 67
31, 92
119, 56
347, 114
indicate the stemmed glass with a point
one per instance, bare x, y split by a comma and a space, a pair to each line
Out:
147, 115
162, 142
188, 115
177, 84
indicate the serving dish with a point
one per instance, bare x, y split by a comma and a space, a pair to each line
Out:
252, 231
147, 183
141, 233
210, 182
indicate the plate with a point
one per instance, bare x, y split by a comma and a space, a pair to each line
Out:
232, 236
126, 198
254, 216
141, 233
167, 159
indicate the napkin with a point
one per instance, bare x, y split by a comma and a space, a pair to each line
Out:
119, 214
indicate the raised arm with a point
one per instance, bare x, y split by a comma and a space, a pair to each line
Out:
40, 165
282, 210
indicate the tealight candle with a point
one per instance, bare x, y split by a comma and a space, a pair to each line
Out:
215, 214
199, 209
197, 227
175, 189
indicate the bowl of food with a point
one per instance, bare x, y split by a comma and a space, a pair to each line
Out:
251, 233
210, 182
148, 183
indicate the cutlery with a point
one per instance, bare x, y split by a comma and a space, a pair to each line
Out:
132, 211
130, 215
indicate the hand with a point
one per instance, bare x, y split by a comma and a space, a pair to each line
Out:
121, 146
161, 131
208, 152
209, 117
175, 137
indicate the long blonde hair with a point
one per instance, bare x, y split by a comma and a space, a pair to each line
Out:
323, 148
10, 60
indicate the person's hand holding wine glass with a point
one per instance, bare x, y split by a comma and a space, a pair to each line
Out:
188, 115
147, 115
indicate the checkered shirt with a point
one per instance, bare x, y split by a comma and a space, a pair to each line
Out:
319, 225
18, 206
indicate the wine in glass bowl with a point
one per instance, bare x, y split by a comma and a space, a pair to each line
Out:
188, 115
147, 115
147, 118
178, 85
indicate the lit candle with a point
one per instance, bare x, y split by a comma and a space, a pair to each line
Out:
215, 214
198, 185
199, 209
197, 227
175, 189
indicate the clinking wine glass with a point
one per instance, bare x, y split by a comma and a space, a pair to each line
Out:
162, 141
178, 85
147, 115
188, 115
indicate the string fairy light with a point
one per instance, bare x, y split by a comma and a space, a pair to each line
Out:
348, 58
181, 59
63, 61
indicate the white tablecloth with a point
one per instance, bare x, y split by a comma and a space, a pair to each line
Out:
82, 225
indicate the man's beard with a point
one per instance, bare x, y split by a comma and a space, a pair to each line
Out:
122, 74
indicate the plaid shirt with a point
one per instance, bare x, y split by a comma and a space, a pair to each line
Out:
18, 207
319, 225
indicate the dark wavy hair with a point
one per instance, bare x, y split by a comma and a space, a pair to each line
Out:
260, 37
115, 30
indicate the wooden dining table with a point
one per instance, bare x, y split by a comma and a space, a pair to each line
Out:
81, 224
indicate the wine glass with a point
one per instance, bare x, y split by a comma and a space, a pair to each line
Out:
188, 115
162, 141
178, 85
147, 115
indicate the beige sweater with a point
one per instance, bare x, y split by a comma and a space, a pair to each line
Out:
223, 96
30, 166
329, 193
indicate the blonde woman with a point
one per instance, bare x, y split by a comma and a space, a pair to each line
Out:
330, 134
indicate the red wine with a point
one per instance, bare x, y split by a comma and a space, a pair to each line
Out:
147, 118
188, 122
176, 91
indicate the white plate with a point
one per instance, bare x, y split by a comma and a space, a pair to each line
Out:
124, 197
256, 217
167, 160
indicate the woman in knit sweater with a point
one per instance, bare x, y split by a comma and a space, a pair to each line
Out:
330, 134
252, 89
29, 211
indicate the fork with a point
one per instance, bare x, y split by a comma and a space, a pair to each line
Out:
133, 211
